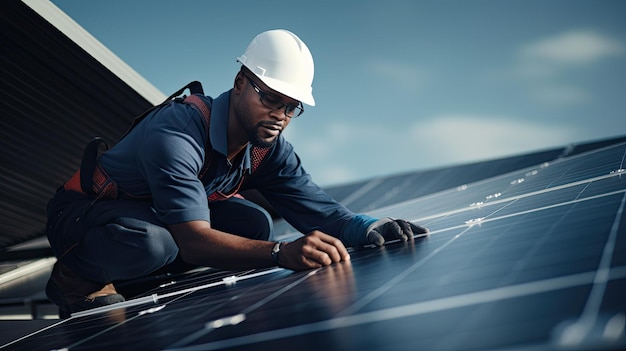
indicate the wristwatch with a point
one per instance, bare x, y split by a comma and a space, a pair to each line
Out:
276, 250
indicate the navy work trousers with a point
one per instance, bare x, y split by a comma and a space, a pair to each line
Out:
113, 240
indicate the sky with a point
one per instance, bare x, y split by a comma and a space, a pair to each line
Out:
400, 86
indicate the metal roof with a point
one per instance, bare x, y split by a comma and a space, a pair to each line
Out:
60, 88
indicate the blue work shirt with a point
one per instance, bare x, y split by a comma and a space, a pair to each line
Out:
163, 155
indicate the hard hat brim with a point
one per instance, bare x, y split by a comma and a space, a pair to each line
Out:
298, 93
303, 95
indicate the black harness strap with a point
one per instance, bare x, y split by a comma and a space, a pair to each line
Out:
194, 87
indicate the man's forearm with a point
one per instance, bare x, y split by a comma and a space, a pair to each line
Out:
202, 245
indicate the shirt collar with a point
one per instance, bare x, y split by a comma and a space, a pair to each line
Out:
218, 130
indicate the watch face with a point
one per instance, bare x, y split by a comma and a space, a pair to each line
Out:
276, 250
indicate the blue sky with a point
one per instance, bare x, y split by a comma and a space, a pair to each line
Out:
399, 85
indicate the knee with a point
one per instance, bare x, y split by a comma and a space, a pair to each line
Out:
128, 248
243, 218
149, 242
262, 227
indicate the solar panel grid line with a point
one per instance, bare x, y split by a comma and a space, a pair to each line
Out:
29, 335
140, 301
592, 308
504, 198
599, 166
370, 185
456, 189
279, 292
191, 277
530, 211
129, 303
621, 165
216, 305
279, 289
522, 263
479, 297
246, 310
583, 190
135, 314
507, 201
399, 277
544, 208
224, 281
201, 278
85, 340
577, 331
538, 209
185, 284
155, 297
208, 327
460, 273
522, 175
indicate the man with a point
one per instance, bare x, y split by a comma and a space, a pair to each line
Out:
169, 189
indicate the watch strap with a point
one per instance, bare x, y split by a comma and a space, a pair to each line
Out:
276, 250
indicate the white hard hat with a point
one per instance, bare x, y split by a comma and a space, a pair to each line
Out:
283, 62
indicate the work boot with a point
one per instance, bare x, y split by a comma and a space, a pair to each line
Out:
73, 293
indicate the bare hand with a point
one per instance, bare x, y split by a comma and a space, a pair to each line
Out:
313, 250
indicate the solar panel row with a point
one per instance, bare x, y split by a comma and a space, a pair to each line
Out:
532, 259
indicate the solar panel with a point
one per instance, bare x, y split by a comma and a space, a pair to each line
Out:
531, 259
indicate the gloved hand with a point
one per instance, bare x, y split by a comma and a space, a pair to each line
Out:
392, 229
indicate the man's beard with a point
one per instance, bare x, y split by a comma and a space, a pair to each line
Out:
255, 139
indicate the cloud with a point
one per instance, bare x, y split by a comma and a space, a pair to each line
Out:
561, 95
548, 64
573, 48
404, 75
343, 151
467, 138
547, 58
350, 151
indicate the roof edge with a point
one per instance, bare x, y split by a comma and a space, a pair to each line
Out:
96, 49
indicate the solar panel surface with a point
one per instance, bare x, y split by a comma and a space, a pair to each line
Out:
531, 259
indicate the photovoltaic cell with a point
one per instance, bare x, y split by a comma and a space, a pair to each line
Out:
531, 259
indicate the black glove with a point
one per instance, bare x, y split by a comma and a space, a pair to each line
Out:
392, 229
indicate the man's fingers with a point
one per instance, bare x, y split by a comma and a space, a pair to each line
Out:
394, 229
411, 229
417, 229
319, 249
332, 246
309, 263
336, 248
314, 254
407, 230
374, 237
298, 256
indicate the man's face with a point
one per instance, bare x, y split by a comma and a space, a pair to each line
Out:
262, 123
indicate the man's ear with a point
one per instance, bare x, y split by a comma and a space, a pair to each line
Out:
239, 81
